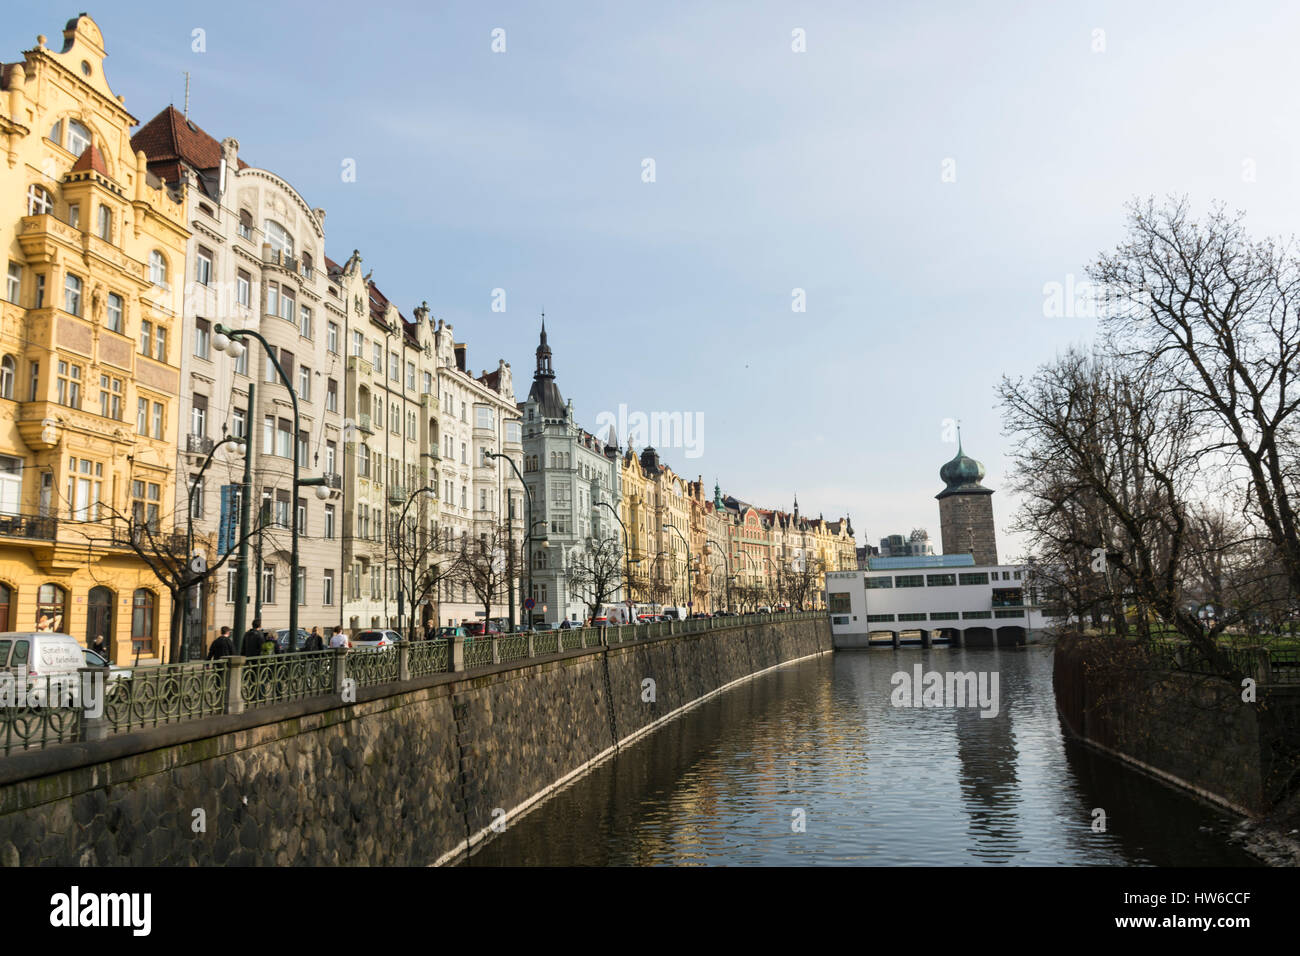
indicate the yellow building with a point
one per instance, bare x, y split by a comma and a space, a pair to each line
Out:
89, 354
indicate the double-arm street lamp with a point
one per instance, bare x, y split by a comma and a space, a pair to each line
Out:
227, 340
529, 538
689, 598
195, 485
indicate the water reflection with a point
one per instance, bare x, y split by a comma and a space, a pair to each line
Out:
872, 784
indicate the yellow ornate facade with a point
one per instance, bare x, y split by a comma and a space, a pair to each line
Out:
89, 354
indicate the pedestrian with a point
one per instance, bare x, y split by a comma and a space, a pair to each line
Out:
339, 639
314, 641
223, 646
99, 647
268, 644
252, 645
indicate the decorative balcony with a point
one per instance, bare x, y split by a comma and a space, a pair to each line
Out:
133, 533
43, 528
397, 494
333, 481
363, 423
198, 444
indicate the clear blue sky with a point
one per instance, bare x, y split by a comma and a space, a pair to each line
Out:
775, 170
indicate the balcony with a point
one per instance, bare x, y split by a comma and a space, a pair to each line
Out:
126, 535
29, 526
397, 494
198, 444
333, 481
363, 423
357, 364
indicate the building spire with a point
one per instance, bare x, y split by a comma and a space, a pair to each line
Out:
544, 369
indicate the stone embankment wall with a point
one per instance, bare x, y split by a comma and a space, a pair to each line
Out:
411, 773
1189, 729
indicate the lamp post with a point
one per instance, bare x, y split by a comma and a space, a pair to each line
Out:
529, 538
627, 556
189, 530
689, 597
226, 340
726, 566
753, 565
429, 492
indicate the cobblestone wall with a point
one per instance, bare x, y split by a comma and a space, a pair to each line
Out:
404, 776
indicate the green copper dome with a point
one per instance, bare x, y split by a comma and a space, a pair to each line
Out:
962, 475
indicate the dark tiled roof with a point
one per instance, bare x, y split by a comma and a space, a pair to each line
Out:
91, 160
170, 140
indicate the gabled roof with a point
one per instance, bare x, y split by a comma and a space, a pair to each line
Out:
169, 141
91, 160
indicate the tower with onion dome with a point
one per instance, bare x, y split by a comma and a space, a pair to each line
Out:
966, 510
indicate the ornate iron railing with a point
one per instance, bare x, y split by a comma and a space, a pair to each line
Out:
512, 647
546, 642
370, 667
166, 694
478, 651
430, 657
280, 677
571, 639
27, 719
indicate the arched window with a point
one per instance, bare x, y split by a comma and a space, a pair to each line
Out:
279, 238
78, 138
157, 268
56, 133
142, 621
7, 377
39, 202
6, 599
51, 608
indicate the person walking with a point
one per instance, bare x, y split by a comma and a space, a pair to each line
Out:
252, 645
223, 646
99, 647
314, 641
339, 639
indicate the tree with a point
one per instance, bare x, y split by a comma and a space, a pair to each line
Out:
595, 573
421, 566
486, 565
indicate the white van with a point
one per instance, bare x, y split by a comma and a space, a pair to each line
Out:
40, 663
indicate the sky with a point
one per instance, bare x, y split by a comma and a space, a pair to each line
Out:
849, 231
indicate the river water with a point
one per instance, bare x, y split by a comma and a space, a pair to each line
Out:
812, 765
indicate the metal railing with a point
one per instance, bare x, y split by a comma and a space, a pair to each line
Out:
140, 698
29, 526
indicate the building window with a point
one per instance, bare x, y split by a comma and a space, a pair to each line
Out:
427, 383
304, 383
241, 362
876, 583
85, 483
268, 584
142, 416
196, 496
72, 294
157, 268
940, 580
69, 384
973, 578
302, 449
301, 515
157, 420
283, 438
358, 344
331, 396
243, 288
379, 358
160, 343
39, 202
332, 337
146, 338
203, 266
14, 286
115, 312
304, 322
104, 223
110, 397
238, 422
74, 215
272, 299
281, 509
393, 372
279, 238
78, 138
327, 588
7, 377
331, 451
202, 337
146, 499
245, 224
410, 375
329, 521
199, 416
483, 417
51, 608
40, 291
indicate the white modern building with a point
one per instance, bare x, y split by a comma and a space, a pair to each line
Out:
941, 599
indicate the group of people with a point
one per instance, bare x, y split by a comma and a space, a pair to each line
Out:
258, 642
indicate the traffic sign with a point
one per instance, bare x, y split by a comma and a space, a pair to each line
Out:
530, 604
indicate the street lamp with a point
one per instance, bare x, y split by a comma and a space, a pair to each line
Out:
689, 597
242, 443
726, 565
225, 339
627, 555
529, 538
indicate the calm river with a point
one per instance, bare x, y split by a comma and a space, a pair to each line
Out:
812, 765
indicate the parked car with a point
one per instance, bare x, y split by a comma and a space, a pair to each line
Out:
480, 628
41, 662
600, 621
448, 632
569, 625
118, 677
282, 640
764, 610
375, 639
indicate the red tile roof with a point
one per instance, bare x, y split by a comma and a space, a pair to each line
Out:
91, 160
169, 139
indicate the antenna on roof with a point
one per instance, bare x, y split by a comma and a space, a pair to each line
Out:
187, 94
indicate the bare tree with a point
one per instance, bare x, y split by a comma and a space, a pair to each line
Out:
595, 573
485, 566
421, 565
